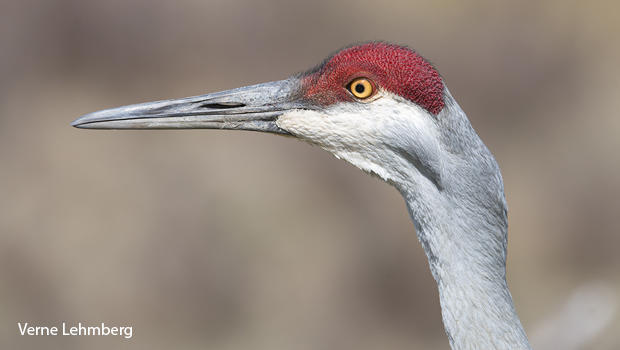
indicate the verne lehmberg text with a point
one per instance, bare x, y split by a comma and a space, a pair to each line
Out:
75, 329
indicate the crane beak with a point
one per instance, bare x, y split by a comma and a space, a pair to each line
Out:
254, 108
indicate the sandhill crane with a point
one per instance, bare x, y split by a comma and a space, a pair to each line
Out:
386, 110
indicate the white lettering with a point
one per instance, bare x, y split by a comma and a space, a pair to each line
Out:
22, 330
80, 330
38, 330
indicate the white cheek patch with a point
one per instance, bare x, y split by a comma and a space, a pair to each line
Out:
344, 133
309, 125
365, 135
332, 131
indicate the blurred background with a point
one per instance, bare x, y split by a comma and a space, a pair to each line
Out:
240, 240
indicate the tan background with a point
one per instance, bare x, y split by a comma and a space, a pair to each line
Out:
224, 240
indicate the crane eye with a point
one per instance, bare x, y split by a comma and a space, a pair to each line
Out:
361, 88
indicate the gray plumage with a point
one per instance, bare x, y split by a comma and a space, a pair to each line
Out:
450, 181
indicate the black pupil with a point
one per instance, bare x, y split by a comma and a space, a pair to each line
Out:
359, 88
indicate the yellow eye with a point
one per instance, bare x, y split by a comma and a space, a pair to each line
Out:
361, 88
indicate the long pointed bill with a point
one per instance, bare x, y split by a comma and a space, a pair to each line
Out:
248, 108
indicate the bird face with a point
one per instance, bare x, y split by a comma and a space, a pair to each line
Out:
373, 105
379, 136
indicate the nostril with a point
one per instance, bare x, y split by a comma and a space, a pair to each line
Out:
222, 105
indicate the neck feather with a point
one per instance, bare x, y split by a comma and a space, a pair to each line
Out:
476, 305
460, 217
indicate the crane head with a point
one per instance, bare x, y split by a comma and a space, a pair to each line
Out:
375, 105
386, 110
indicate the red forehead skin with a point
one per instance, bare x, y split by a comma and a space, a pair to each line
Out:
394, 68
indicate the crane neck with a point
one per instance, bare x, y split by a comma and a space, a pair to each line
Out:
467, 257
455, 196
470, 271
